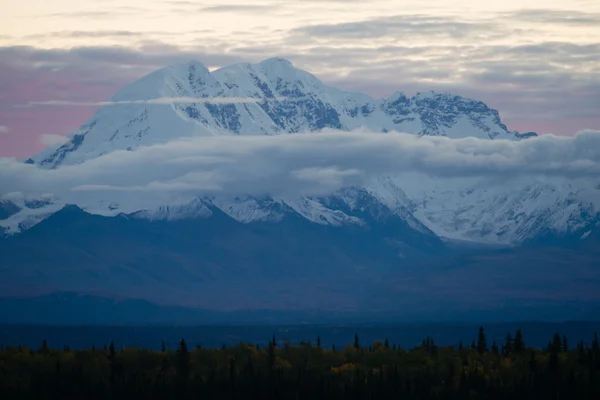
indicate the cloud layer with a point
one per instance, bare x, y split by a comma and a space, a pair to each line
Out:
299, 164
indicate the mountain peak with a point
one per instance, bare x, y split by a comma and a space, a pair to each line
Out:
276, 61
279, 67
189, 64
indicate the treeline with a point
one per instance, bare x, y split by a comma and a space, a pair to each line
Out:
479, 370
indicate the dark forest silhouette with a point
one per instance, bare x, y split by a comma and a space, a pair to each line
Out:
479, 370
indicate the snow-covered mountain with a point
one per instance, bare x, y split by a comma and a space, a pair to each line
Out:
273, 97
510, 212
268, 98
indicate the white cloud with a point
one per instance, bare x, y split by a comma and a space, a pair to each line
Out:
51, 139
299, 164
3, 129
159, 101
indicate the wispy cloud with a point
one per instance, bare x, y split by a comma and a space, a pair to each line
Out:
549, 16
3, 129
157, 101
51, 139
405, 26
243, 8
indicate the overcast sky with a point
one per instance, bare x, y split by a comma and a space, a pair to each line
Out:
538, 63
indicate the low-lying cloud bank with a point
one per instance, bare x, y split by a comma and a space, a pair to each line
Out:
300, 164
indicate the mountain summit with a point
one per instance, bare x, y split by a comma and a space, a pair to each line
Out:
268, 98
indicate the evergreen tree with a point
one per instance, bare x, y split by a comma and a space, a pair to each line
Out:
112, 353
183, 360
553, 362
271, 356
356, 343
565, 344
112, 359
386, 343
533, 363
481, 341
232, 372
519, 344
581, 352
508, 344
495, 348
162, 347
556, 343
44, 349
319, 342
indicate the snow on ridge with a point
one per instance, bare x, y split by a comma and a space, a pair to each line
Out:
280, 99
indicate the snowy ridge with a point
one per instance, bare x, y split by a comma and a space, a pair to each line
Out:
18, 213
195, 209
268, 98
479, 211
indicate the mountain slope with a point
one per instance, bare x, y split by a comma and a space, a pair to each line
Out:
192, 260
218, 264
510, 212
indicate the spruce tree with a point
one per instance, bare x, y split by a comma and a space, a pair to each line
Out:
519, 344
183, 360
112, 358
356, 342
495, 348
112, 353
556, 343
481, 341
44, 349
508, 344
271, 356
565, 344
